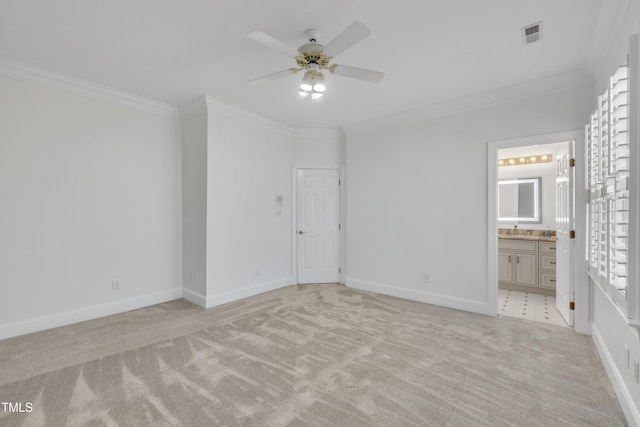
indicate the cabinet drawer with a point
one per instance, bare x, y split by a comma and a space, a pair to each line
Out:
547, 246
518, 245
547, 262
547, 280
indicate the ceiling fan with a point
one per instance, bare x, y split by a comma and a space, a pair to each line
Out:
313, 58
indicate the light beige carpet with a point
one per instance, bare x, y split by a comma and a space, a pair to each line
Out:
310, 355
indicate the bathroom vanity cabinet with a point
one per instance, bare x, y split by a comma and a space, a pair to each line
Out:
527, 265
547, 272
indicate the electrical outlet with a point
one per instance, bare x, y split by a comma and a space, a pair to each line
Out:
426, 278
115, 285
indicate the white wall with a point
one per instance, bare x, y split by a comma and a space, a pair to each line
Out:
610, 330
248, 242
194, 204
237, 243
90, 192
318, 148
417, 197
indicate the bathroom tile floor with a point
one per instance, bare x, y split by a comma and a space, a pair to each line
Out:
529, 306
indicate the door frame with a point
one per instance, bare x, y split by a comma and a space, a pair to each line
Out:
581, 286
341, 217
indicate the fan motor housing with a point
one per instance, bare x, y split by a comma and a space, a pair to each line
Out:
312, 53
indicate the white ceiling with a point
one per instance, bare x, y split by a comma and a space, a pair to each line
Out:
431, 51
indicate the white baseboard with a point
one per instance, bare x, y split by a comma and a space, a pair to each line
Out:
624, 397
249, 291
194, 297
415, 295
87, 313
100, 310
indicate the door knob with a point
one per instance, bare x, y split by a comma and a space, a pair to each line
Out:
301, 232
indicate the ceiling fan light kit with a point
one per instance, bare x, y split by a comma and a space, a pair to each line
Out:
314, 57
318, 83
312, 83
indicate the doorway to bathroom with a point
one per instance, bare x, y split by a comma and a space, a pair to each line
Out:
532, 228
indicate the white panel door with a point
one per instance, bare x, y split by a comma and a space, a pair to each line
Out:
565, 220
318, 243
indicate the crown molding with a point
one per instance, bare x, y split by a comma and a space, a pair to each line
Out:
193, 107
216, 106
616, 11
29, 73
486, 99
206, 103
324, 133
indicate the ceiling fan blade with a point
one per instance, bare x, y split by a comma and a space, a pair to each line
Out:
350, 36
273, 43
273, 76
357, 73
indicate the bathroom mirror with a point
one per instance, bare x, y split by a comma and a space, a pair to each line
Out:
520, 200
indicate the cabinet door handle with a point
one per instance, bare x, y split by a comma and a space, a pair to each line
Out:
509, 259
551, 280
518, 259
552, 262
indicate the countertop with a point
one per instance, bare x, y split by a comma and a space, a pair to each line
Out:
527, 237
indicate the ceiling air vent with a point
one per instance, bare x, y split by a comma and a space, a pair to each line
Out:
532, 33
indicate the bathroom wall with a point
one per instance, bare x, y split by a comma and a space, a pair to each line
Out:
547, 171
